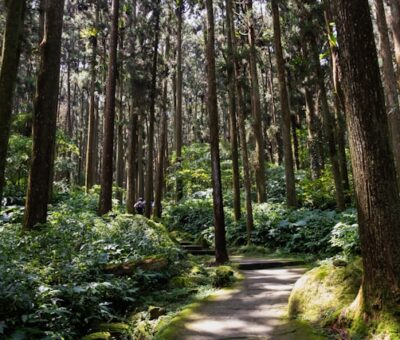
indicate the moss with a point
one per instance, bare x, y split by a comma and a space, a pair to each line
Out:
98, 335
223, 277
117, 327
321, 294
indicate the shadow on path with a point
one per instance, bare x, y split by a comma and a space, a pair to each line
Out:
255, 310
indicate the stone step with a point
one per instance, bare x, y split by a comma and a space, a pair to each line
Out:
268, 264
192, 247
202, 252
185, 243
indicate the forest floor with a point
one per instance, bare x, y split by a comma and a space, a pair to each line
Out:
256, 308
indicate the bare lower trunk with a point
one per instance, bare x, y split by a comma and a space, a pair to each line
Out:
287, 144
150, 136
221, 254
45, 116
8, 76
105, 204
373, 164
232, 113
389, 77
256, 108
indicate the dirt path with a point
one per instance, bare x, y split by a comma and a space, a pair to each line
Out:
255, 310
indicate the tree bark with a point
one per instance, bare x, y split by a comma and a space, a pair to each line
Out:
232, 112
221, 254
256, 108
163, 142
241, 120
90, 176
328, 122
287, 144
105, 204
150, 136
314, 125
395, 23
8, 76
45, 116
390, 85
131, 178
178, 89
373, 164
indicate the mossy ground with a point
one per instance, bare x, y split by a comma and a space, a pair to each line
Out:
323, 297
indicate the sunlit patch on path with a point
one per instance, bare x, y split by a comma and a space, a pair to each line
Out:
255, 310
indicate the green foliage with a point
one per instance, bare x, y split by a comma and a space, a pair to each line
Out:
223, 277
53, 279
345, 236
18, 159
191, 216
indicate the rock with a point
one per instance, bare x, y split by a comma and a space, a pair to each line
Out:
156, 312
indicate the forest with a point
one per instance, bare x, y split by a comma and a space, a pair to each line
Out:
186, 169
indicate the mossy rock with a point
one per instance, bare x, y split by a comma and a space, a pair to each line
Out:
321, 294
98, 336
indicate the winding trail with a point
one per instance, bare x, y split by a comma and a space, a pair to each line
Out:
256, 309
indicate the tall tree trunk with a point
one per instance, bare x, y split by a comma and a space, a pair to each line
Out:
153, 95
120, 127
221, 254
105, 204
132, 161
390, 85
232, 113
339, 102
314, 126
163, 142
241, 119
179, 97
328, 123
287, 144
8, 76
395, 23
373, 164
140, 174
90, 148
131, 178
256, 108
45, 116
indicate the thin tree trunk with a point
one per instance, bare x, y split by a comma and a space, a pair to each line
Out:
153, 95
328, 124
256, 108
8, 76
90, 148
178, 89
221, 254
131, 180
105, 204
287, 144
45, 116
120, 128
163, 143
373, 164
339, 104
232, 113
313, 127
390, 85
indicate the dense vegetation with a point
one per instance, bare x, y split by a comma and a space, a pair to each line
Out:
250, 127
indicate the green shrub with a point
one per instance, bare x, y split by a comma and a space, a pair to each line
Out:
223, 277
53, 281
